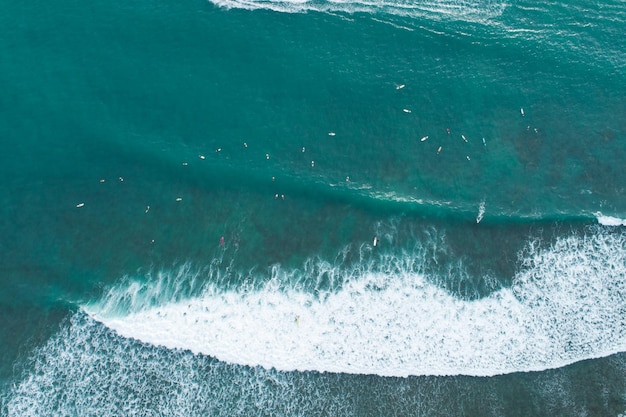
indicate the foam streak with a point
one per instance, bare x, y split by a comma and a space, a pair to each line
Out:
450, 9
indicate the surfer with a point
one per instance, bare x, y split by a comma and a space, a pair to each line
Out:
375, 240
222, 241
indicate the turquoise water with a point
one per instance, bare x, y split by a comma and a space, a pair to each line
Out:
421, 203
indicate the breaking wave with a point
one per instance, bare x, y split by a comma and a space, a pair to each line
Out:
567, 303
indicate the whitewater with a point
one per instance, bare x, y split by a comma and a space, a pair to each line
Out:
567, 303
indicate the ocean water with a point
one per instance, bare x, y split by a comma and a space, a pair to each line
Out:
303, 208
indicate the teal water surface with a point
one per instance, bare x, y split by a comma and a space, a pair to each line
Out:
479, 143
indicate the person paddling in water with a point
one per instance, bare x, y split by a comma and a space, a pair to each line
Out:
222, 241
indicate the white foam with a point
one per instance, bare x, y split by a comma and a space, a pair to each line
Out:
84, 370
473, 10
404, 198
610, 221
481, 211
567, 305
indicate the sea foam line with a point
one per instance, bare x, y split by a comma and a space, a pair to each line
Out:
451, 9
567, 304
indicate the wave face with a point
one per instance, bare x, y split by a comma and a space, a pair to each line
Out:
566, 304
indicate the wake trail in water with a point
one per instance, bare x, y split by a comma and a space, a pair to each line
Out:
567, 303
